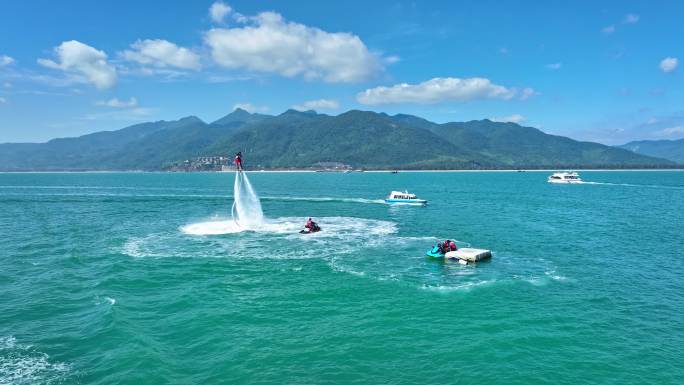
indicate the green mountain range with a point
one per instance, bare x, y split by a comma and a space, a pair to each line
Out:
297, 139
667, 149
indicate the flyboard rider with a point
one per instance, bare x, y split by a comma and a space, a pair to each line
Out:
238, 161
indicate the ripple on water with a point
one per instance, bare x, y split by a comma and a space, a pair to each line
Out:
360, 247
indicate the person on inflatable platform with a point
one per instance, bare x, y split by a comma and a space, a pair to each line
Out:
238, 161
452, 246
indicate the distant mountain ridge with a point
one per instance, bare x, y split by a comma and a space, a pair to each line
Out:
296, 139
667, 149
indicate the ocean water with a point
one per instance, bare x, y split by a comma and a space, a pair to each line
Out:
140, 278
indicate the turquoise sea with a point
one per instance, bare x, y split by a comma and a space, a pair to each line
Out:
101, 282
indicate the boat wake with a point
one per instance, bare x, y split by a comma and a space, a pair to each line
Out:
325, 199
658, 186
340, 235
230, 226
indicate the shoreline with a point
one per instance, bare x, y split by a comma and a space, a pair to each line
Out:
353, 172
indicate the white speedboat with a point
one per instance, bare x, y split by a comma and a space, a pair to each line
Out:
405, 198
565, 177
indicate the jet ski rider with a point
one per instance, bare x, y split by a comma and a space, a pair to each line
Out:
311, 225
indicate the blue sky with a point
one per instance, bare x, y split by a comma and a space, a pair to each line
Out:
602, 71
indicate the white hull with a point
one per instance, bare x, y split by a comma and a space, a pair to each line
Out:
410, 202
566, 177
404, 198
565, 181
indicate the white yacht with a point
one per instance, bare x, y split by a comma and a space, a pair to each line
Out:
565, 177
406, 198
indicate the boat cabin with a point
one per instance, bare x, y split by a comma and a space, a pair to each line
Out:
565, 176
401, 195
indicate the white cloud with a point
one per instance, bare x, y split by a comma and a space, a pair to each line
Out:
391, 59
161, 53
441, 89
554, 66
270, 44
240, 18
251, 108
608, 30
320, 104
227, 78
6, 60
218, 11
515, 118
527, 93
3, 100
669, 64
116, 103
84, 62
631, 19
671, 131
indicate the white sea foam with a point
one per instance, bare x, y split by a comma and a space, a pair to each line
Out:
132, 247
230, 226
536, 281
212, 228
343, 269
109, 300
225, 239
7, 342
22, 364
332, 227
556, 277
467, 286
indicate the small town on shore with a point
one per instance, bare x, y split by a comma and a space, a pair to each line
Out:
223, 163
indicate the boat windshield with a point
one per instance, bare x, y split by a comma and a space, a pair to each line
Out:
403, 196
